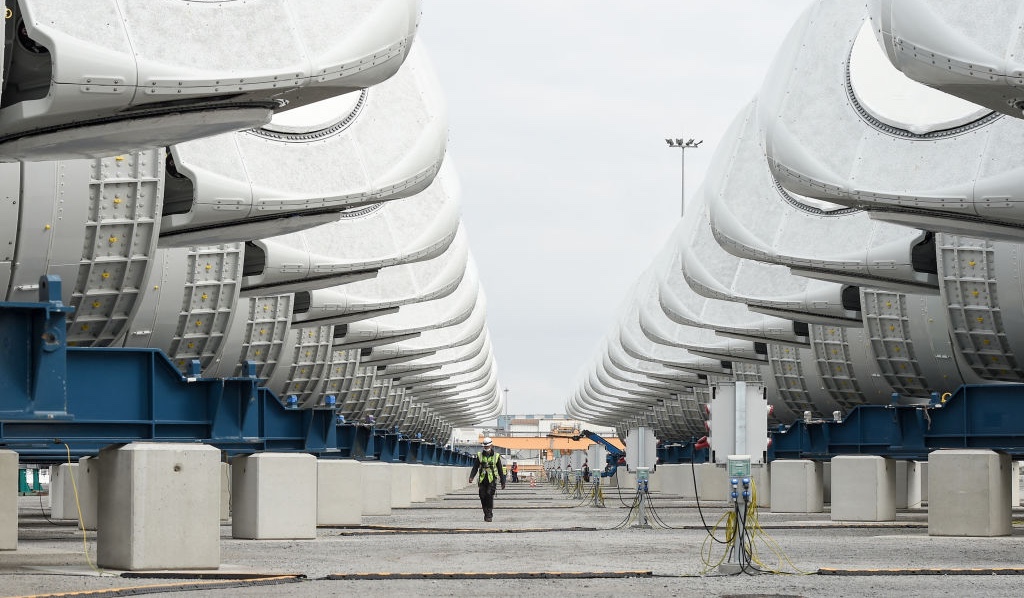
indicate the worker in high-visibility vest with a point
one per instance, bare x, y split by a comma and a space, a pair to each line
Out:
488, 464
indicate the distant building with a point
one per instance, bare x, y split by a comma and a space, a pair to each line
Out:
524, 426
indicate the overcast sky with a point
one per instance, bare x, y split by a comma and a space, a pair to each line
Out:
558, 113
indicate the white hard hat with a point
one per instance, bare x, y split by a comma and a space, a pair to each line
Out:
488, 441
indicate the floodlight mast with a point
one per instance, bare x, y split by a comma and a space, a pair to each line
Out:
508, 423
683, 145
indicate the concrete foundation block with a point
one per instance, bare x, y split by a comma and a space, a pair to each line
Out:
655, 481
902, 483
458, 475
1015, 484
225, 492
74, 486
159, 509
760, 475
437, 476
431, 484
419, 481
273, 496
339, 492
712, 481
444, 477
401, 484
625, 479
88, 479
826, 478
8, 500
917, 484
688, 480
863, 488
969, 493
49, 488
376, 488
797, 486
62, 492
669, 482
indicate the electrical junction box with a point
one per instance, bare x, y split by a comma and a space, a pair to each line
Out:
642, 474
739, 466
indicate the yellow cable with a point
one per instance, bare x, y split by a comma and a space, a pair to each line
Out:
759, 532
707, 547
81, 519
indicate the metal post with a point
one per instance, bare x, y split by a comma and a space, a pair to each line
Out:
683, 145
682, 181
508, 424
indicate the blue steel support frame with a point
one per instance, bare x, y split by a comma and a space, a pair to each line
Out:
57, 401
989, 416
406, 451
682, 452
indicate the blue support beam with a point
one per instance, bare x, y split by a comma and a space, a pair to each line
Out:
389, 446
32, 364
406, 453
682, 452
975, 416
59, 402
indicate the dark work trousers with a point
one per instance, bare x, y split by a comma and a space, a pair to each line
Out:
487, 491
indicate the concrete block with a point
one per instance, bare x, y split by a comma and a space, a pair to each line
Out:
339, 492
376, 488
273, 496
969, 493
655, 481
49, 488
902, 469
8, 500
401, 484
1015, 484
797, 486
225, 491
625, 479
760, 475
430, 487
444, 478
459, 476
438, 477
418, 491
826, 478
917, 484
712, 481
62, 492
863, 488
669, 482
88, 479
159, 509
677, 480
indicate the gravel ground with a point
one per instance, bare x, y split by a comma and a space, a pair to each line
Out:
545, 530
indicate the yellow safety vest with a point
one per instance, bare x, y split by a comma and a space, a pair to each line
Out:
488, 467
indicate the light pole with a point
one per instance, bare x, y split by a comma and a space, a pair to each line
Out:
508, 424
683, 145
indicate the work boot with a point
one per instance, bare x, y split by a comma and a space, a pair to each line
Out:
487, 518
